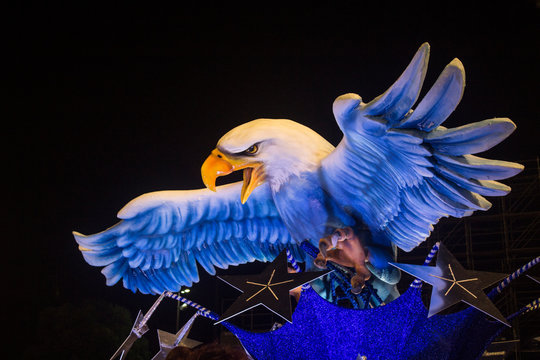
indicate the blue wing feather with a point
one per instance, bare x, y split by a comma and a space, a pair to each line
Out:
163, 235
471, 138
440, 101
400, 170
396, 102
471, 166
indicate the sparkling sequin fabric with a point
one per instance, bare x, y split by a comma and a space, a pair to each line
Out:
398, 330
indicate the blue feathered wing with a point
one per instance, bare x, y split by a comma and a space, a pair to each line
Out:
163, 235
400, 171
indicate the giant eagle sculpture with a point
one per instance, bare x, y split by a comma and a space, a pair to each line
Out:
394, 174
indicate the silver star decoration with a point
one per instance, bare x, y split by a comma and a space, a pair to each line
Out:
168, 341
139, 329
270, 288
452, 283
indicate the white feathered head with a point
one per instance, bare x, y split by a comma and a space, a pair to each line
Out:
270, 150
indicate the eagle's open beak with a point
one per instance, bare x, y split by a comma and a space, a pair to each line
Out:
218, 164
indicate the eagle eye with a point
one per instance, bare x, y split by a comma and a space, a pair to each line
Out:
252, 149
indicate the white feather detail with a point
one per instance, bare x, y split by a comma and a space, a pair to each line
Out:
286, 148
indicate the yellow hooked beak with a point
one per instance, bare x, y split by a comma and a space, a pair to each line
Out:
218, 164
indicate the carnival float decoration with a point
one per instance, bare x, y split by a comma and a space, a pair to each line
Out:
344, 209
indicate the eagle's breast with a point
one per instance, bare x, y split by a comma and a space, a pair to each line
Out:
307, 210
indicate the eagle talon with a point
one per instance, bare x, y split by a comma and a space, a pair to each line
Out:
341, 235
320, 262
324, 246
357, 284
345, 248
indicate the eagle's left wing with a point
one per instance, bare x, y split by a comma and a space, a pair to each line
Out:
163, 235
400, 171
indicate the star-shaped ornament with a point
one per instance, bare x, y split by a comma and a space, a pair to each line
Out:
139, 329
168, 341
269, 288
452, 283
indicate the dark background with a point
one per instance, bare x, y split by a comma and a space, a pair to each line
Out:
110, 102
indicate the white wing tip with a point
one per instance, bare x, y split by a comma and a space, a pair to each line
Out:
456, 63
141, 203
424, 51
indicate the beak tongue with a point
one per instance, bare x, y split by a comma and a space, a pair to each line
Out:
253, 177
246, 191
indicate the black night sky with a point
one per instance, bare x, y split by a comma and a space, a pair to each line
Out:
113, 101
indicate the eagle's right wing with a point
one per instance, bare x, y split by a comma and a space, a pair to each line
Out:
400, 171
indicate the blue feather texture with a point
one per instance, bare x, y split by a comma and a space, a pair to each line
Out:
396, 172
163, 235
400, 170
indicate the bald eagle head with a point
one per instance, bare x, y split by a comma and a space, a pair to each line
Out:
269, 150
